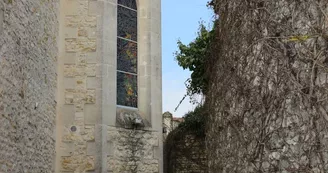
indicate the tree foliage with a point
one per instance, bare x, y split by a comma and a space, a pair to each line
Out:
194, 121
193, 57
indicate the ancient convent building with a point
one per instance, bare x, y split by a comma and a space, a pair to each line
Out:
80, 86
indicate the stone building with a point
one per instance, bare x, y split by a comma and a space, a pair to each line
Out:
80, 86
170, 123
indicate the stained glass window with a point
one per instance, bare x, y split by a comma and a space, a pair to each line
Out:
127, 23
127, 89
128, 3
127, 53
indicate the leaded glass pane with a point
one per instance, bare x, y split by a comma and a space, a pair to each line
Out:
127, 23
127, 54
127, 94
128, 3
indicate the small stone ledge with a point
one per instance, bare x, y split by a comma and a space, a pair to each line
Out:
130, 119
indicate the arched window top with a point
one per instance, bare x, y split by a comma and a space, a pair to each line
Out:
127, 20
128, 3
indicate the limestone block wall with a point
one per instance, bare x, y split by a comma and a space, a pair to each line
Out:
132, 151
28, 53
77, 87
90, 136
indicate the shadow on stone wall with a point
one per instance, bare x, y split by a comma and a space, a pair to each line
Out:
184, 152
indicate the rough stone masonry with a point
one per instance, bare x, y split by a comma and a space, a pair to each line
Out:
268, 90
58, 67
28, 53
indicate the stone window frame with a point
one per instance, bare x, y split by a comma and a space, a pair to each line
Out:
149, 101
124, 72
125, 116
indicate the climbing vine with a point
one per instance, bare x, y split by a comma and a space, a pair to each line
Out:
267, 95
194, 122
186, 144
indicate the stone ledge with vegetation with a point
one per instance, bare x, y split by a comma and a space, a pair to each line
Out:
184, 147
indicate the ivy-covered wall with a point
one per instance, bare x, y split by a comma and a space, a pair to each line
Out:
184, 147
267, 97
184, 152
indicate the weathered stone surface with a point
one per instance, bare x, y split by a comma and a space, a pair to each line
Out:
78, 21
78, 163
132, 151
170, 123
184, 152
80, 134
86, 61
1, 19
146, 166
28, 52
80, 44
268, 89
130, 119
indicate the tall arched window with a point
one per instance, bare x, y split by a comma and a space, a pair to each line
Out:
127, 53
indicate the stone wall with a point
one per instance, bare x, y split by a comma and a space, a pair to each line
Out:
78, 79
28, 52
94, 134
133, 151
268, 87
184, 153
